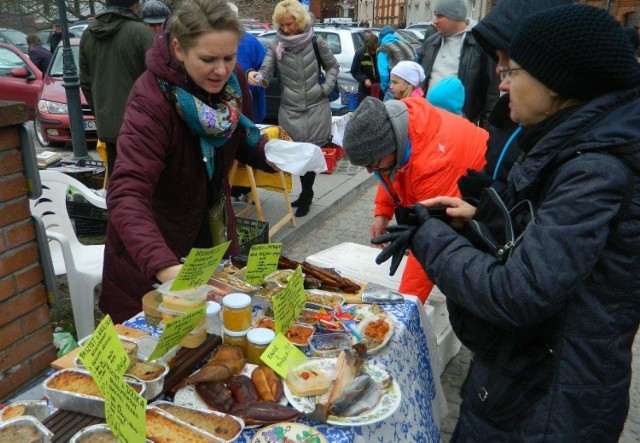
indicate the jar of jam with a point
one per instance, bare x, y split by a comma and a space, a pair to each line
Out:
236, 338
213, 318
258, 339
236, 312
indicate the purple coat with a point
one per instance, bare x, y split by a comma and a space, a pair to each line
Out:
157, 197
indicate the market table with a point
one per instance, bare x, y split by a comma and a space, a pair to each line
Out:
406, 359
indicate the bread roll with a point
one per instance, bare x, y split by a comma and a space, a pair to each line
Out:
267, 383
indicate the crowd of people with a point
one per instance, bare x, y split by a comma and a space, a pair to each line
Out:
511, 171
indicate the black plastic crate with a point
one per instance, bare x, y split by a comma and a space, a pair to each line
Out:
88, 220
251, 232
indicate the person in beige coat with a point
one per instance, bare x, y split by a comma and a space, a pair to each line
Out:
304, 107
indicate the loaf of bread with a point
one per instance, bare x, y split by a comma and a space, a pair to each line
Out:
21, 432
145, 371
78, 383
12, 411
98, 437
161, 429
224, 426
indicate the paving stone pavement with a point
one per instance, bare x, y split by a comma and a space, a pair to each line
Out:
351, 223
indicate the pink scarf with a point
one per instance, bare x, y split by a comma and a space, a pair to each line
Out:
292, 43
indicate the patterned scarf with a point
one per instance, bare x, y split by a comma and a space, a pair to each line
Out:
292, 43
214, 125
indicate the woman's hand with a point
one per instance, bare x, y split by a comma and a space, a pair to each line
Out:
166, 274
459, 210
254, 79
379, 227
367, 83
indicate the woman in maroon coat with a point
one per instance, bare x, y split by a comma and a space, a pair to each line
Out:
185, 122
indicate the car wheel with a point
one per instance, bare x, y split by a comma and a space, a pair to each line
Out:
41, 138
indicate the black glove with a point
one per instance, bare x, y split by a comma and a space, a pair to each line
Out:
399, 238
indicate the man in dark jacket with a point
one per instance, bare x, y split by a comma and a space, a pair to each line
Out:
112, 52
454, 52
38, 54
493, 34
56, 37
364, 66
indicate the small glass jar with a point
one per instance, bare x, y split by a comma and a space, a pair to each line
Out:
258, 339
213, 318
236, 338
236, 312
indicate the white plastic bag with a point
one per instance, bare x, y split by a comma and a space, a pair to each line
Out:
295, 157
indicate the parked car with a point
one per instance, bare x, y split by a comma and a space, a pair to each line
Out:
427, 29
346, 83
46, 33
414, 41
20, 79
51, 123
15, 38
79, 26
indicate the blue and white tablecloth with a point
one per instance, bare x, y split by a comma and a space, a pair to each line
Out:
406, 359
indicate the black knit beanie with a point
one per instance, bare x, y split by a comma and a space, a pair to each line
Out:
576, 50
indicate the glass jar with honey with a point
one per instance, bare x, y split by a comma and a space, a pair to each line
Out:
236, 312
236, 338
258, 339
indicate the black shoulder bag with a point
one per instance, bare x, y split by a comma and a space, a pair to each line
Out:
335, 92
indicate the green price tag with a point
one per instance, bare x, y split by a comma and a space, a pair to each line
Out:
104, 353
125, 411
279, 352
199, 267
262, 261
289, 303
176, 330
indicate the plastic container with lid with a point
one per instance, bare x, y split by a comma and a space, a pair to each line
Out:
236, 312
170, 314
258, 339
150, 306
195, 338
182, 301
236, 338
213, 318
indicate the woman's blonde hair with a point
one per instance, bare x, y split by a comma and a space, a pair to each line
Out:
193, 18
293, 8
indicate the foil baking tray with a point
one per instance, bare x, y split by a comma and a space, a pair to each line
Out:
85, 404
173, 419
34, 408
88, 434
29, 421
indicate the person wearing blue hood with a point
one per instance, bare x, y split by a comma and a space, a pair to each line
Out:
393, 49
448, 94
493, 34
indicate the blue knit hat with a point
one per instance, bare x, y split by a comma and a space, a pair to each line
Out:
447, 94
385, 31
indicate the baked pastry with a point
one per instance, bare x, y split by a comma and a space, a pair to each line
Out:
222, 426
21, 432
145, 371
12, 411
161, 429
78, 383
267, 383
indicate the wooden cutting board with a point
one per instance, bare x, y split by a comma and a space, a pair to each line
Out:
66, 361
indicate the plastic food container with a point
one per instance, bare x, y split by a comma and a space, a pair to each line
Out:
258, 339
307, 377
236, 312
170, 314
150, 306
329, 345
182, 301
9, 429
195, 338
236, 338
214, 325
298, 334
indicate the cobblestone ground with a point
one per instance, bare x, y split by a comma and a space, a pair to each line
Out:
351, 224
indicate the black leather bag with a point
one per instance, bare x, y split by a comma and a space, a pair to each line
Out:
335, 92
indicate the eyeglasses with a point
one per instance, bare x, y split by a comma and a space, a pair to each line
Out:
506, 72
388, 167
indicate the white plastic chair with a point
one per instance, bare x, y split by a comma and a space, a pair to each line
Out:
81, 263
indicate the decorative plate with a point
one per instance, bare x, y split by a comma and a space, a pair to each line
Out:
374, 346
188, 396
387, 405
288, 433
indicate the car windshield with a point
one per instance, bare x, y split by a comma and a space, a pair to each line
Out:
56, 68
15, 37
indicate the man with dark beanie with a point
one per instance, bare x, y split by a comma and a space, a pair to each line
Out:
112, 51
493, 33
547, 293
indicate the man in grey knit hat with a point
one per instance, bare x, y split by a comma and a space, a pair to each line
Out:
453, 52
416, 151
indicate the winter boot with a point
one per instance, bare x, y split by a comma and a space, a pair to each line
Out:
306, 196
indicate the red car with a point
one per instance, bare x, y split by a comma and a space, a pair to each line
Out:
52, 117
20, 80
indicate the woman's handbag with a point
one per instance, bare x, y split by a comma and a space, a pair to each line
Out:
335, 92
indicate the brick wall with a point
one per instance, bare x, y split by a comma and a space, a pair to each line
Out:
26, 347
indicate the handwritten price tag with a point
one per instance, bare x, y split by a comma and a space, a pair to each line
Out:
199, 267
176, 330
279, 352
104, 353
125, 411
288, 304
262, 261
